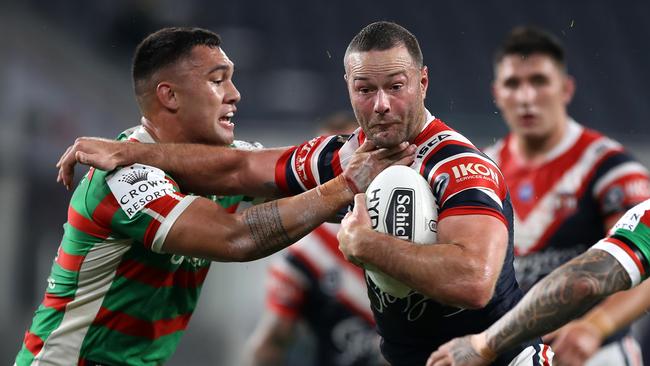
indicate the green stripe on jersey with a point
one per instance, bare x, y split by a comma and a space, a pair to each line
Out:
112, 347
640, 237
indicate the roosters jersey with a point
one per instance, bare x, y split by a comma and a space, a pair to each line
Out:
313, 282
464, 182
561, 204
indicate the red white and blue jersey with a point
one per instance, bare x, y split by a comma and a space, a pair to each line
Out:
314, 283
464, 182
561, 204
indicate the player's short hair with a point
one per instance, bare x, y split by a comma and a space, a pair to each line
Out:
385, 35
529, 40
165, 47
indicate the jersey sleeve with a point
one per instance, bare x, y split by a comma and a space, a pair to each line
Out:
621, 183
145, 204
464, 181
287, 287
629, 242
305, 166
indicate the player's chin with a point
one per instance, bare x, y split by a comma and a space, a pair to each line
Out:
386, 139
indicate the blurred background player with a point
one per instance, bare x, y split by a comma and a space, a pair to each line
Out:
568, 185
314, 293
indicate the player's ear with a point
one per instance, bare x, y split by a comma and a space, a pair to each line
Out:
424, 80
166, 95
569, 88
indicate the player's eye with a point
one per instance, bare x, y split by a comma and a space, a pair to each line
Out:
396, 87
217, 82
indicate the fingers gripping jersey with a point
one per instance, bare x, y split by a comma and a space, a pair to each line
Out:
464, 182
113, 297
629, 242
313, 282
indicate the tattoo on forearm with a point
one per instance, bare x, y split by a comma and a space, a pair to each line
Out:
562, 296
265, 225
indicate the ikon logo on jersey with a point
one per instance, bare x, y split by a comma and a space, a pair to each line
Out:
137, 185
474, 170
399, 218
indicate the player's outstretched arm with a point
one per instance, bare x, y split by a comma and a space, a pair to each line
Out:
202, 169
563, 295
205, 230
205, 169
461, 270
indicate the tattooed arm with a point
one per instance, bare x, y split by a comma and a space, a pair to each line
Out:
206, 230
565, 294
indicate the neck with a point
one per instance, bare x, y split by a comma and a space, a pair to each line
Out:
533, 148
161, 128
422, 117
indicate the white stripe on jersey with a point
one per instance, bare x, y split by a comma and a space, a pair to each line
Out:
527, 356
530, 230
167, 222
298, 177
96, 276
347, 150
425, 148
621, 170
622, 257
353, 286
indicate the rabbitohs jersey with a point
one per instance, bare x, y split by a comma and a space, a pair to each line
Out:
561, 204
464, 182
629, 242
312, 282
113, 296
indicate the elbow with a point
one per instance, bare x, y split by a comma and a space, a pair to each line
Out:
476, 296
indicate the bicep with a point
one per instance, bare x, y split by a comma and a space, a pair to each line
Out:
483, 236
205, 230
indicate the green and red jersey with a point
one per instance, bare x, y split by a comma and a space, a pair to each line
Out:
629, 242
113, 296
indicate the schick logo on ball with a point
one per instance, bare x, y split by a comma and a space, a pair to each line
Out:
399, 218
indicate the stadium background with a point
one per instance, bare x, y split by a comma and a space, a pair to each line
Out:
65, 71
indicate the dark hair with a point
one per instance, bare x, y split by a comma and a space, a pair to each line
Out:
528, 40
165, 47
383, 36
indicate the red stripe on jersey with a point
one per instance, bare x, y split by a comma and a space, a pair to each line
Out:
55, 302
69, 262
130, 325
561, 218
629, 252
332, 244
161, 206
284, 296
471, 172
280, 170
79, 222
150, 233
545, 355
91, 172
309, 174
158, 277
336, 164
473, 210
433, 128
105, 210
361, 137
645, 219
350, 305
33, 343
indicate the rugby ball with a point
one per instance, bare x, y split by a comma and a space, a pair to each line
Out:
400, 203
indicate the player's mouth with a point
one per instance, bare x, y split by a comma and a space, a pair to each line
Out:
226, 120
527, 119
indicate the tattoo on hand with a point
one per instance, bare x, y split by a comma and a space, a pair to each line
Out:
265, 225
565, 294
